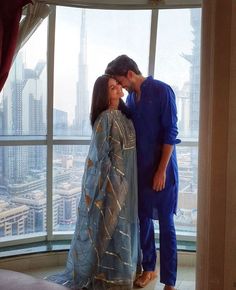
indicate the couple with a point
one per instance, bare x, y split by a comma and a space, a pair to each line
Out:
116, 212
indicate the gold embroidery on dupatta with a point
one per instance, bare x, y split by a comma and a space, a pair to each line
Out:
87, 200
89, 163
99, 128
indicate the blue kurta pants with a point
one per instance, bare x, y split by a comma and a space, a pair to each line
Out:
168, 249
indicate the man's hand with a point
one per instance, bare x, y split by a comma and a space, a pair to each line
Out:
159, 180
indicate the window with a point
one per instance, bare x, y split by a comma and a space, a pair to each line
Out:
178, 64
23, 169
68, 167
41, 169
86, 40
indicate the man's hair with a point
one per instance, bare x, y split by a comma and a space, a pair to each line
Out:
121, 65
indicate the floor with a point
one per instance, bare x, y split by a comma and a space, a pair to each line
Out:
185, 278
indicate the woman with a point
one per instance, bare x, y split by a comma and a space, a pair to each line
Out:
104, 251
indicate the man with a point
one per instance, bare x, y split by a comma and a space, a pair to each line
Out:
153, 110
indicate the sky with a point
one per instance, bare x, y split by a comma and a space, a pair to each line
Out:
109, 34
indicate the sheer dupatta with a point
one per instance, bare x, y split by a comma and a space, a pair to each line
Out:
105, 248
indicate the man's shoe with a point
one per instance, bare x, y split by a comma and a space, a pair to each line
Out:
169, 288
144, 279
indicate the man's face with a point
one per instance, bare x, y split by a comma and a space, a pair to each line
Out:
126, 83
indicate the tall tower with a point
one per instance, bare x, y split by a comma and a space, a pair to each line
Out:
194, 93
22, 115
194, 59
15, 165
81, 122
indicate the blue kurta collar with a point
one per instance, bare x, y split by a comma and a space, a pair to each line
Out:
146, 82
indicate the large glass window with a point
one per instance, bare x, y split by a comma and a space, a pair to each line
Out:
22, 190
178, 64
38, 164
23, 102
86, 40
68, 168
23, 107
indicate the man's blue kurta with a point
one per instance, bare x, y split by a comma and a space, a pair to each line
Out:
155, 121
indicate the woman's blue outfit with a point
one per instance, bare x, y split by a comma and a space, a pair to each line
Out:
105, 248
155, 121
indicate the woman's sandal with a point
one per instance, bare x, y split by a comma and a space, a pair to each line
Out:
144, 279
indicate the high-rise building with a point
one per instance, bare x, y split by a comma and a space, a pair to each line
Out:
22, 115
69, 194
183, 104
60, 122
194, 82
189, 109
81, 122
36, 203
13, 218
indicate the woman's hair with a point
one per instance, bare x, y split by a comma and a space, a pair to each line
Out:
100, 101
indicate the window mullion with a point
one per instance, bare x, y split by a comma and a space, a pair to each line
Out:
152, 45
50, 84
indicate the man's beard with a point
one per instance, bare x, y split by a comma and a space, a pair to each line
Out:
130, 89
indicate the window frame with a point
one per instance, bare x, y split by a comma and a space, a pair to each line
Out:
49, 141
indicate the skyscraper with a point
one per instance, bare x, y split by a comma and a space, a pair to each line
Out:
188, 156
22, 115
60, 122
194, 82
81, 122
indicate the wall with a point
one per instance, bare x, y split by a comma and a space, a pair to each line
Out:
216, 241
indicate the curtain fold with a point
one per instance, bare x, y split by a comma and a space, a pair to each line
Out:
35, 14
10, 15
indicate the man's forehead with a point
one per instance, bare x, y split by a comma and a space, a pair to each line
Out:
120, 77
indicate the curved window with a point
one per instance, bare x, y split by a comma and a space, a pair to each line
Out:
42, 160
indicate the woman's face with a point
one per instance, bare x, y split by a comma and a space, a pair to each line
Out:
115, 91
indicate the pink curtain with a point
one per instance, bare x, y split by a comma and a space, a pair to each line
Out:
10, 15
